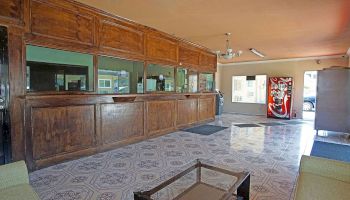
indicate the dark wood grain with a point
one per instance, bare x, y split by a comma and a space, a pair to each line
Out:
17, 89
52, 21
160, 116
115, 36
11, 9
187, 111
206, 108
208, 62
161, 48
189, 56
57, 130
121, 121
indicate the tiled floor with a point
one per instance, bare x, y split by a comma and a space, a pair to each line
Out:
270, 153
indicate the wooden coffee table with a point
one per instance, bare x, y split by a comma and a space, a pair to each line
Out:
200, 179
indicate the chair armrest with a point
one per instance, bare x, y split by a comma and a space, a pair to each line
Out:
325, 167
13, 174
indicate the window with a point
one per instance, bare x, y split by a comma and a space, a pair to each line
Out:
57, 70
104, 83
118, 76
206, 82
160, 78
249, 89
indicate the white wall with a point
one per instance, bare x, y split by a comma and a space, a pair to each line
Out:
293, 69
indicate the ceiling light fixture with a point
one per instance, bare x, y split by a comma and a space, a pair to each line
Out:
229, 54
256, 52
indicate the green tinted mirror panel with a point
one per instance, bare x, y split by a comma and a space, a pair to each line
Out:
57, 70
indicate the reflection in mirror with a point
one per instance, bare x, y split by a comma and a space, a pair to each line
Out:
57, 70
206, 82
118, 76
160, 78
181, 80
192, 81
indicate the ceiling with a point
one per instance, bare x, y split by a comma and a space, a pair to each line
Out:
277, 28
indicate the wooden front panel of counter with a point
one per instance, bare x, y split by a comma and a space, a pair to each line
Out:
206, 108
121, 122
187, 112
58, 130
74, 128
160, 116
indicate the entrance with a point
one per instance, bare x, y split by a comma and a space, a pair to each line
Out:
5, 151
310, 89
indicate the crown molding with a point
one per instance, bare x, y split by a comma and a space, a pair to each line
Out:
287, 59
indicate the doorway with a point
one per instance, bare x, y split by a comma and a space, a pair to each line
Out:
5, 151
310, 90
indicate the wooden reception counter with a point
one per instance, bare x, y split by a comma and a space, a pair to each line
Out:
68, 126
48, 128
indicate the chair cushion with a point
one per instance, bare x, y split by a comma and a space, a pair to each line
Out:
18, 192
311, 186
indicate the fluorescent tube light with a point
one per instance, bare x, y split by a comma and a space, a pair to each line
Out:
256, 52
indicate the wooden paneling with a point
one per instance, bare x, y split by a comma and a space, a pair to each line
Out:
118, 37
160, 116
11, 9
121, 121
161, 48
188, 56
208, 62
47, 128
57, 130
53, 21
17, 88
206, 108
187, 111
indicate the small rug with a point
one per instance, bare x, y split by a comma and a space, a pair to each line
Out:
293, 122
331, 151
272, 124
247, 125
205, 129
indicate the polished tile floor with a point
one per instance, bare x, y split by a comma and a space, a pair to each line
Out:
270, 153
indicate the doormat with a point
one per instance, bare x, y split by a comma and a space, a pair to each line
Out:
205, 129
247, 125
331, 151
272, 124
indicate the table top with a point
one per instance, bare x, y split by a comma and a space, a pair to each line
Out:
200, 178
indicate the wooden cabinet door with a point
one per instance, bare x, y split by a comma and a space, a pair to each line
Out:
57, 130
160, 116
206, 108
122, 121
11, 9
188, 56
161, 48
187, 111
67, 23
208, 62
121, 38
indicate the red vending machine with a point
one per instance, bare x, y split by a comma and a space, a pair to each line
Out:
279, 97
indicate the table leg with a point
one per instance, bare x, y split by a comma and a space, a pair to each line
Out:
244, 188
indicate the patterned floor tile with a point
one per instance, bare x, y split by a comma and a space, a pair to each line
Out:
271, 153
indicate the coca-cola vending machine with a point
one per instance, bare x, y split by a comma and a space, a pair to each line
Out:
280, 97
